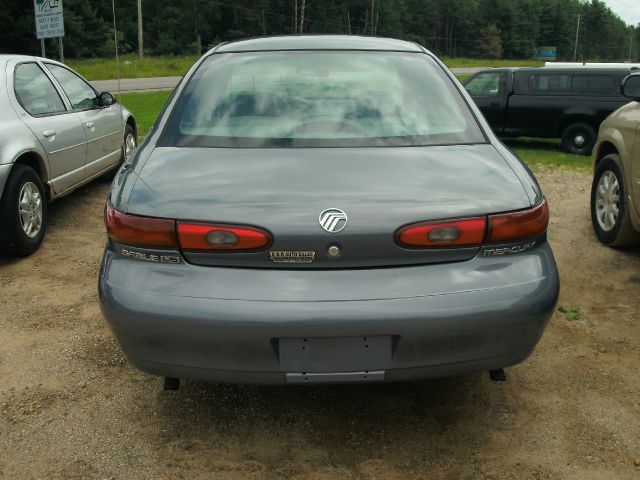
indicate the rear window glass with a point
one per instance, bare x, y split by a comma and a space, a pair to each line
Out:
551, 83
323, 99
594, 83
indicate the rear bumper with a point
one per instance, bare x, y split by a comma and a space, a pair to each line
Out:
224, 324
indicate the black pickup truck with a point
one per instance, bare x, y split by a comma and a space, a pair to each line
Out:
549, 102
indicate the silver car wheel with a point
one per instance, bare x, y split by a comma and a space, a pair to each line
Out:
30, 209
607, 200
129, 146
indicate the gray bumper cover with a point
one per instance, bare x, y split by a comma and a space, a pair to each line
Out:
224, 324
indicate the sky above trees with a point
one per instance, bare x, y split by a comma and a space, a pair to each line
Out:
627, 10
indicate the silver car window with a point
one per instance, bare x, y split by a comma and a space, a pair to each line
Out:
81, 95
35, 92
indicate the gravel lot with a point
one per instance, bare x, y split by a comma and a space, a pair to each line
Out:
72, 407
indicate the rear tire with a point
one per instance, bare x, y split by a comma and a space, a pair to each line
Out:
579, 138
610, 213
23, 212
129, 143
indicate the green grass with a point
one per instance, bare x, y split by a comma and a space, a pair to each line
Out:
145, 107
132, 67
537, 153
176, 66
572, 314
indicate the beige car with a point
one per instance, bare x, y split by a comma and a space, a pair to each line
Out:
615, 193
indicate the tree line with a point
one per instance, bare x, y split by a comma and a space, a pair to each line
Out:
509, 29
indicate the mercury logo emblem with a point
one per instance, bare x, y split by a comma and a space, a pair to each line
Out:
333, 220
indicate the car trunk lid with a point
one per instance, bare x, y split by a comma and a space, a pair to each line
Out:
285, 191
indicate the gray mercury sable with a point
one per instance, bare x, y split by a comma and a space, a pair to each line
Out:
315, 209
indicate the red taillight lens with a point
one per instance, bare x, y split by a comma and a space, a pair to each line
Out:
202, 236
443, 233
139, 231
506, 227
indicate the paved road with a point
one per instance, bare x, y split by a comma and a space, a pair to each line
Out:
128, 85
137, 84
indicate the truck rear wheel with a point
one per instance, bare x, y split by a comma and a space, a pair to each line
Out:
579, 138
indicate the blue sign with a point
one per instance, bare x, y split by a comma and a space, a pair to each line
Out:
546, 53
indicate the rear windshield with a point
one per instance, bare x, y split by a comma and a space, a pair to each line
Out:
320, 99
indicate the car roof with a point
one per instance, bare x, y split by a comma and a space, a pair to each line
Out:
574, 70
5, 57
318, 42
561, 70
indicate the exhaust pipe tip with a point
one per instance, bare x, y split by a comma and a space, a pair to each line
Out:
171, 383
498, 375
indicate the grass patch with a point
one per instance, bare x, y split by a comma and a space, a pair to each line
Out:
175, 66
145, 106
132, 67
572, 313
535, 152
543, 152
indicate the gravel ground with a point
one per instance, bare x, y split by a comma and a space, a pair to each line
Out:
72, 407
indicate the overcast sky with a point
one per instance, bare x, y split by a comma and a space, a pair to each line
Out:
627, 10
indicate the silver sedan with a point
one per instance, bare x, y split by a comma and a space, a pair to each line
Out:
57, 133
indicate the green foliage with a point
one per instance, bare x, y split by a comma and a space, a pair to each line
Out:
145, 107
542, 154
454, 28
132, 67
572, 313
491, 46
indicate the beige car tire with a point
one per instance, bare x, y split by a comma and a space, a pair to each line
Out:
610, 212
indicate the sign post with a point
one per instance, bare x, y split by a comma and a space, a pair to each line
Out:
49, 22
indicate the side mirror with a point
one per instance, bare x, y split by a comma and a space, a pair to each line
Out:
630, 87
106, 99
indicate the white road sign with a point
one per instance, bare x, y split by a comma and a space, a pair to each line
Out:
49, 20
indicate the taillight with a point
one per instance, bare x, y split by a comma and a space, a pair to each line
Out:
443, 233
507, 227
470, 232
202, 236
139, 231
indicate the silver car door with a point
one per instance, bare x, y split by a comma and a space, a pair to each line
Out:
103, 125
59, 130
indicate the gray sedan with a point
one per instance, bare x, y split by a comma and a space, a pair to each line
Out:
324, 209
56, 134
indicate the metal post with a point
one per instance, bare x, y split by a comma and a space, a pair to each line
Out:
115, 41
575, 50
61, 50
140, 44
631, 43
42, 47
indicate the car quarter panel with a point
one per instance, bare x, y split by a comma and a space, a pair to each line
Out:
224, 323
